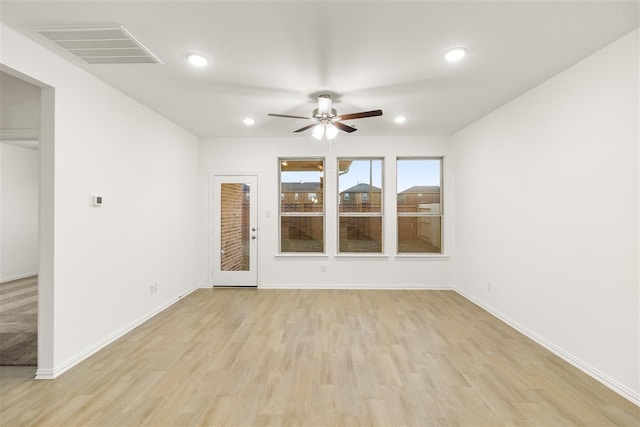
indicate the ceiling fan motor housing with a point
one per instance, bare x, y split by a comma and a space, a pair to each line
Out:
317, 114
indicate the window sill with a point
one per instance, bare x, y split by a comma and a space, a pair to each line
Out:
301, 255
360, 255
424, 256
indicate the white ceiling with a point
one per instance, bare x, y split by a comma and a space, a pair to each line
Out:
274, 57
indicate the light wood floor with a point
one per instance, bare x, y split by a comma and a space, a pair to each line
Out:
314, 358
18, 321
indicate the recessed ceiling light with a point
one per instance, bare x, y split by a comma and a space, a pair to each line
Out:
197, 60
248, 121
455, 54
400, 119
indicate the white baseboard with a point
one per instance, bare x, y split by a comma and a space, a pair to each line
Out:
614, 385
18, 277
49, 374
44, 374
361, 286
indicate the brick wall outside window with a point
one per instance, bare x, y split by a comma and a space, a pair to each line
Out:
231, 226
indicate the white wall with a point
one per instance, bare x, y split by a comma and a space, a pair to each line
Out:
19, 103
547, 211
107, 258
260, 156
19, 175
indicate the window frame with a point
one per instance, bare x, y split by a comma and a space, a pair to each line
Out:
380, 214
303, 214
441, 214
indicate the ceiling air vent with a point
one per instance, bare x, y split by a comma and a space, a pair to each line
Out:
101, 45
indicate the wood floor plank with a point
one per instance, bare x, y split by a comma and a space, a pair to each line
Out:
318, 358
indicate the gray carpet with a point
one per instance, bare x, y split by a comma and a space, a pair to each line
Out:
19, 322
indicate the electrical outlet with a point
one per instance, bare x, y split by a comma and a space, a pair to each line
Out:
323, 268
488, 286
151, 289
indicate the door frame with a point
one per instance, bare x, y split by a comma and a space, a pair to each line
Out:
213, 220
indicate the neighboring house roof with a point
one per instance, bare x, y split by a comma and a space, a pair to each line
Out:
301, 187
362, 188
419, 189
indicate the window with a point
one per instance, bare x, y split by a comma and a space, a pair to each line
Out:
419, 183
360, 207
301, 221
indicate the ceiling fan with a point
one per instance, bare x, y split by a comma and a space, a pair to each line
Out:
326, 120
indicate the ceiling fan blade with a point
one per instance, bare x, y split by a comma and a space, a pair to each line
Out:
305, 128
288, 116
344, 127
361, 115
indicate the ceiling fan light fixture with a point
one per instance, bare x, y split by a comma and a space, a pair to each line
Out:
197, 60
400, 119
248, 121
455, 54
318, 132
331, 131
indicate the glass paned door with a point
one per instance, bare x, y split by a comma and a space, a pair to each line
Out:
235, 231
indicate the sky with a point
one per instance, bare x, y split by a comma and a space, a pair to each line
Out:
359, 173
418, 172
410, 172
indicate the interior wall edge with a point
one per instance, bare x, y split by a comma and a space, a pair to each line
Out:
594, 373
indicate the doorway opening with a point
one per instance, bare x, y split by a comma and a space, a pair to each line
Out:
26, 262
20, 103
